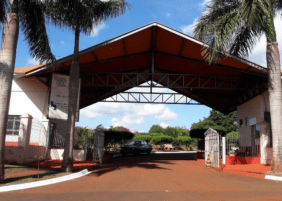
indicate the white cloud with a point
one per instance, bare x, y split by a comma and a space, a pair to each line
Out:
32, 62
166, 115
128, 121
164, 125
63, 42
168, 15
205, 2
97, 29
258, 55
188, 29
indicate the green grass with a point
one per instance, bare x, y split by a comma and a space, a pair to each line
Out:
12, 169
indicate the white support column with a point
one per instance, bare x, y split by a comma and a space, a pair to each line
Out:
25, 130
223, 150
264, 141
85, 145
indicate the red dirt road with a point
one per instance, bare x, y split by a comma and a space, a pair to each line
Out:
152, 178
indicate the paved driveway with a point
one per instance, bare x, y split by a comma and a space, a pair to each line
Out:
154, 178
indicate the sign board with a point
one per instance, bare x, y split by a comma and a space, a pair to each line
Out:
59, 98
252, 121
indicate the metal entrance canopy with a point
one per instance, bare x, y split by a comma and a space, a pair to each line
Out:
161, 57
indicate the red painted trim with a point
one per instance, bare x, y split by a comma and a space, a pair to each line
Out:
16, 144
234, 160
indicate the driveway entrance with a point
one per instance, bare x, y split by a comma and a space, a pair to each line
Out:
152, 178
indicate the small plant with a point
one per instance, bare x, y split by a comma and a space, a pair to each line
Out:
190, 148
38, 158
232, 152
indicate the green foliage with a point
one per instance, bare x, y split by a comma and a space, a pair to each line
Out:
147, 138
232, 136
156, 134
173, 132
156, 129
216, 120
229, 121
162, 139
144, 133
80, 141
113, 129
184, 140
114, 137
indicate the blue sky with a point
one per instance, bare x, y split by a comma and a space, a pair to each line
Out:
177, 14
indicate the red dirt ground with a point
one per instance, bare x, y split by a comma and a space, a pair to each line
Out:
150, 178
253, 170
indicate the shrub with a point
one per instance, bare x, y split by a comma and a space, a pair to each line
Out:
147, 138
156, 134
162, 139
185, 140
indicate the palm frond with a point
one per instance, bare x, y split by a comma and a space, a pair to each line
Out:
82, 14
3, 10
217, 26
232, 27
32, 22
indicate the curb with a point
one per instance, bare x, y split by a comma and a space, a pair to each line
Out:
271, 177
44, 182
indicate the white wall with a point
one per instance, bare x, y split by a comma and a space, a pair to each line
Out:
30, 96
254, 108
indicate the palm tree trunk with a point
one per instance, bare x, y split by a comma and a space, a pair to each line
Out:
7, 65
274, 88
67, 164
275, 100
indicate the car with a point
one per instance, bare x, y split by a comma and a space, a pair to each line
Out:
136, 147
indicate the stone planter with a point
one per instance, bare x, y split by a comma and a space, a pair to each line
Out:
232, 155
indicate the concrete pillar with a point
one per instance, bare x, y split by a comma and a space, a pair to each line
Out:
46, 123
264, 140
223, 150
85, 145
25, 130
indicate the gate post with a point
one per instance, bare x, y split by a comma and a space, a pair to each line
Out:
223, 150
85, 146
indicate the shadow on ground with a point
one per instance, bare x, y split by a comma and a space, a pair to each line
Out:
34, 176
142, 161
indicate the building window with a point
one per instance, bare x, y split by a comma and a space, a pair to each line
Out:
13, 125
247, 121
241, 123
257, 132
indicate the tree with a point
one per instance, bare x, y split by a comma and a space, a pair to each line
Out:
29, 16
117, 137
79, 16
234, 26
228, 121
156, 129
173, 132
184, 140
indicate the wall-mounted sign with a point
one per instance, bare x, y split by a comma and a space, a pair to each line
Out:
59, 98
252, 121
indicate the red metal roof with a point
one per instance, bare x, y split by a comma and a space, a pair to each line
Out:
174, 52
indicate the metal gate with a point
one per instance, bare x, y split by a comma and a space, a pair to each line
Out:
212, 147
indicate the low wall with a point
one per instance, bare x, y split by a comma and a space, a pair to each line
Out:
234, 160
19, 155
58, 154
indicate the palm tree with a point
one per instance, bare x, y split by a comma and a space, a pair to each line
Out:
29, 16
234, 26
79, 16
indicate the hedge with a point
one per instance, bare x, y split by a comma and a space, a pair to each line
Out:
147, 138
113, 137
